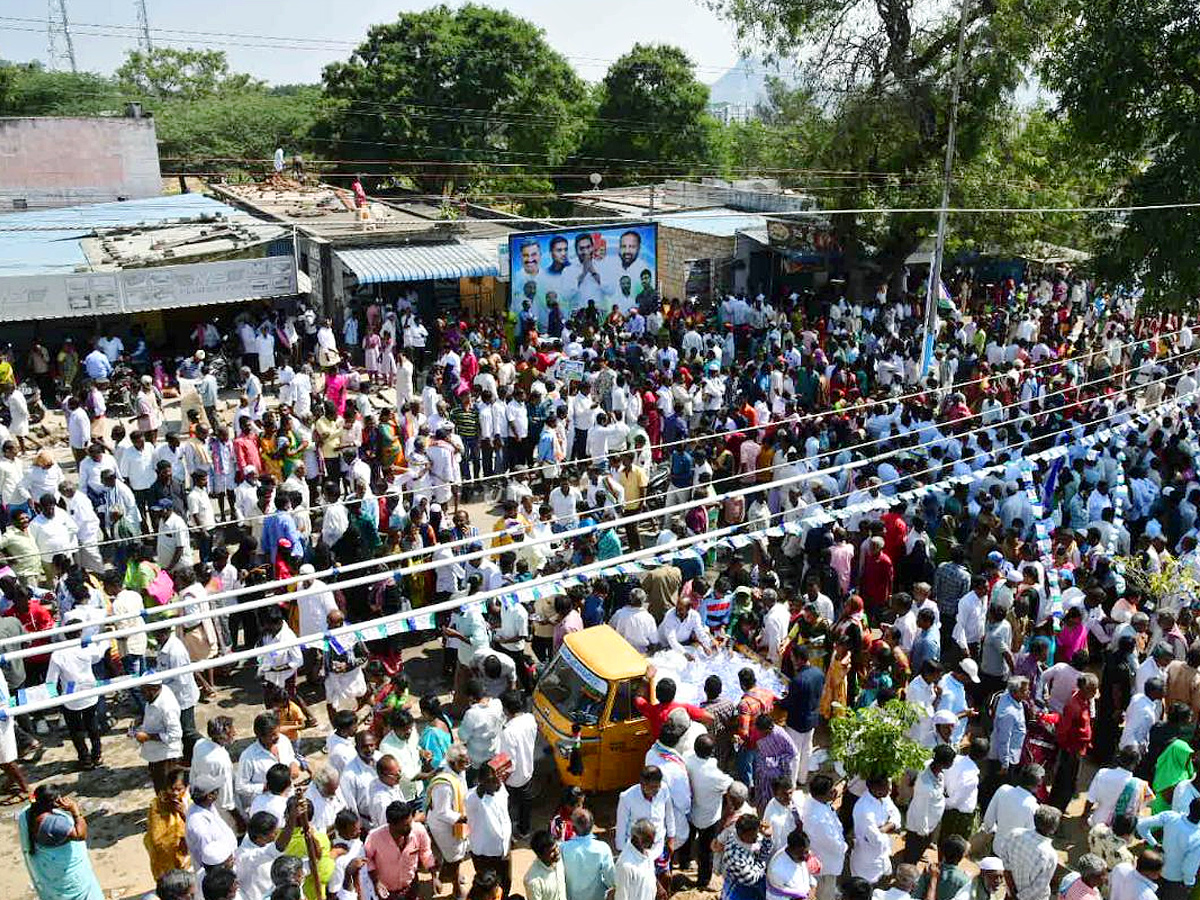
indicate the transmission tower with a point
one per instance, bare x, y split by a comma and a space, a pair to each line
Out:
143, 24
57, 24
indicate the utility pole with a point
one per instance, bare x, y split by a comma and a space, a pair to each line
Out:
939, 247
144, 24
56, 22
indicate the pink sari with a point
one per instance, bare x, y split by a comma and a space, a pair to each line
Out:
335, 392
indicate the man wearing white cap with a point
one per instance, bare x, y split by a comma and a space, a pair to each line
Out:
990, 882
210, 840
953, 697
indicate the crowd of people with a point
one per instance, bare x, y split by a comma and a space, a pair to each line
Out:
906, 537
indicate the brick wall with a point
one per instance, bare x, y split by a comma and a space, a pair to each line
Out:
676, 247
51, 161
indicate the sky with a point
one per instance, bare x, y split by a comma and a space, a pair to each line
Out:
589, 36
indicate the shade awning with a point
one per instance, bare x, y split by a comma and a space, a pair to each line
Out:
417, 263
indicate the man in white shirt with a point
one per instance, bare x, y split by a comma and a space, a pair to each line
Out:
359, 774
517, 739
173, 654
269, 748
634, 623
211, 760
70, 670
54, 531
160, 734
210, 839
1012, 807
1108, 784
646, 800
876, 819
666, 756
635, 865
1144, 710
174, 547
1127, 882
928, 804
489, 828
709, 785
402, 744
775, 625
682, 626
827, 839
264, 842
962, 790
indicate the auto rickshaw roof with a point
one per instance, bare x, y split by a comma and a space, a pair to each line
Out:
606, 653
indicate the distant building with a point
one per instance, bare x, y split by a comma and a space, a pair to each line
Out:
387, 249
48, 162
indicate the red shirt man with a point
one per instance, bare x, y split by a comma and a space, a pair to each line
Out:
875, 580
1074, 730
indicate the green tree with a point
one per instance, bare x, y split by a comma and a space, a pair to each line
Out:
28, 89
470, 88
651, 118
217, 133
186, 73
874, 741
1128, 75
883, 70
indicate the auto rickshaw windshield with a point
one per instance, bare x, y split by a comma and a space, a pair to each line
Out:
576, 692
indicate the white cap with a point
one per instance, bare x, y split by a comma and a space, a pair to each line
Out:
307, 569
971, 668
944, 717
991, 864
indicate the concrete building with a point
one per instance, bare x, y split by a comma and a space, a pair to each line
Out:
162, 263
394, 247
48, 162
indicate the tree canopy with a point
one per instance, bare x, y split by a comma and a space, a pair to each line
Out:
882, 70
651, 118
1128, 77
188, 74
473, 88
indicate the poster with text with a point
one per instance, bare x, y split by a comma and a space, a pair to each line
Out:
572, 268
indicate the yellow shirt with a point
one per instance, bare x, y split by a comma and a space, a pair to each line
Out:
298, 848
633, 481
164, 838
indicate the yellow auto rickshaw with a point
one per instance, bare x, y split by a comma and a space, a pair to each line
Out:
584, 704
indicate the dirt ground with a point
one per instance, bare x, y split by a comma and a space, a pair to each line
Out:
115, 797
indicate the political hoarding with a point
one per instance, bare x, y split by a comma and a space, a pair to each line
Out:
570, 268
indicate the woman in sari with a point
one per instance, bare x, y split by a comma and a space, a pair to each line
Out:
1175, 766
834, 697
166, 827
53, 833
852, 627
437, 735
336, 386
391, 445
1073, 636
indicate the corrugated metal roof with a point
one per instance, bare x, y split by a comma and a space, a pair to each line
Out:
719, 222
420, 262
45, 242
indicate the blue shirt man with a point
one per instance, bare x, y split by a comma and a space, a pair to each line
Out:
281, 524
683, 469
804, 694
587, 863
97, 365
1008, 731
926, 646
1180, 842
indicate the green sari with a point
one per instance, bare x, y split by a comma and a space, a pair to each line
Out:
1174, 766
